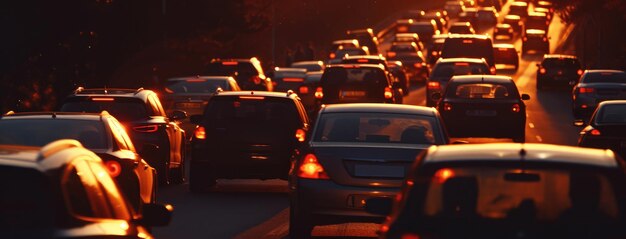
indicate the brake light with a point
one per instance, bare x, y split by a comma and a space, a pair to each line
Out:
433, 85
200, 133
195, 80
293, 80
435, 53
388, 93
515, 108
542, 70
252, 97
595, 132
303, 90
524, 38
585, 90
319, 93
300, 135
102, 99
545, 39
492, 70
332, 55
409, 236
310, 168
146, 128
391, 54
447, 107
256, 80
362, 60
579, 72
419, 65
442, 175
113, 167
467, 41
461, 64
229, 63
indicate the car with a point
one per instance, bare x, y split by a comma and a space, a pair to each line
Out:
376, 60
356, 151
535, 40
190, 94
546, 7
506, 190
307, 92
469, 14
519, 8
355, 83
490, 3
433, 50
309, 65
445, 69
537, 20
454, 8
506, 57
461, 28
440, 19
246, 134
503, 32
486, 17
606, 128
100, 133
336, 56
412, 14
141, 112
62, 190
558, 70
247, 72
483, 106
596, 86
345, 43
424, 29
366, 38
469, 46
397, 69
286, 79
515, 21
409, 37
412, 59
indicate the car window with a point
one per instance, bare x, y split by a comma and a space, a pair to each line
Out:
605, 77
26, 202
377, 128
123, 108
555, 62
341, 76
110, 191
39, 132
403, 47
195, 86
83, 193
252, 109
611, 114
231, 68
480, 91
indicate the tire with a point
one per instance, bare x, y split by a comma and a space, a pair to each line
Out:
299, 226
178, 174
200, 179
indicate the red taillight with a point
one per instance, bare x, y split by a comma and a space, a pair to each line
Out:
525, 39
310, 168
545, 39
595, 132
515, 108
579, 72
442, 175
542, 70
433, 85
146, 128
102, 99
113, 167
200, 133
229, 63
319, 93
447, 107
510, 30
304, 90
332, 55
362, 60
492, 70
409, 236
419, 64
585, 90
391, 54
435, 53
388, 93
256, 80
300, 135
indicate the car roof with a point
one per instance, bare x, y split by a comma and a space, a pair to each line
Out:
559, 56
503, 45
603, 71
461, 59
379, 108
511, 152
289, 69
487, 9
482, 78
516, 17
252, 59
519, 3
536, 14
345, 41
216, 78
308, 63
55, 115
348, 65
612, 102
257, 93
140, 93
461, 24
46, 158
465, 36
372, 57
503, 25
535, 32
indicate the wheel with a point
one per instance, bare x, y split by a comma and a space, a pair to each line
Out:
200, 178
299, 226
178, 174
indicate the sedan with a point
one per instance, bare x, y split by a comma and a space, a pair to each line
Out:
484, 106
607, 128
596, 86
357, 151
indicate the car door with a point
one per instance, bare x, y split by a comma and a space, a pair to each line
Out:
174, 132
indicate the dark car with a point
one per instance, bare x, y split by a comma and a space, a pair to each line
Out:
309, 65
537, 20
337, 56
246, 134
100, 133
344, 43
484, 106
440, 19
606, 128
190, 94
535, 40
506, 57
596, 86
248, 73
558, 71
366, 38
461, 28
286, 79
433, 50
469, 46
469, 14
141, 112
515, 21
412, 59
547, 5
424, 29
445, 69
454, 8
397, 69
519, 8
398, 84
356, 83
503, 32
486, 17
497, 4
63, 190
308, 92
357, 151
508, 190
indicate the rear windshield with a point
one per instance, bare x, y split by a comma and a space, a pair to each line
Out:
422, 28
486, 15
518, 10
123, 109
251, 110
536, 22
288, 80
337, 76
229, 68
195, 86
27, 210
377, 128
504, 53
403, 47
481, 91
612, 114
565, 62
459, 29
39, 132
605, 77
469, 48
447, 70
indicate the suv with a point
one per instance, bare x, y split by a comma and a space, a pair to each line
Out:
469, 46
100, 133
411, 57
443, 71
248, 73
366, 38
143, 115
64, 190
536, 40
246, 134
558, 70
596, 86
355, 83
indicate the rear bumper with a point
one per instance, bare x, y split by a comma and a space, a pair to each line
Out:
618, 145
241, 163
496, 127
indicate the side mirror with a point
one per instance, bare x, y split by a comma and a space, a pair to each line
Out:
525, 97
156, 215
196, 119
178, 115
579, 123
436, 96
379, 205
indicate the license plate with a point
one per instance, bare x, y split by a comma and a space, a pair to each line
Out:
481, 113
189, 105
379, 171
353, 93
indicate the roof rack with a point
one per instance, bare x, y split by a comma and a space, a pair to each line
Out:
57, 146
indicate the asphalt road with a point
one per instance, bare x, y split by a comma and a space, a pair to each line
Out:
259, 209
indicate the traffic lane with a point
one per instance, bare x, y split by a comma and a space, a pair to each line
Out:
232, 207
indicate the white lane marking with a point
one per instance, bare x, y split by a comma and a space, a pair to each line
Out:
531, 125
539, 138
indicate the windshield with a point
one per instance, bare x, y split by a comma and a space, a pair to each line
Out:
39, 132
195, 86
611, 114
481, 91
605, 77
